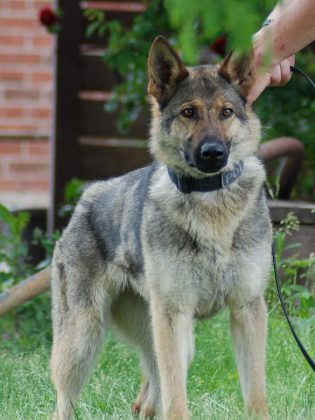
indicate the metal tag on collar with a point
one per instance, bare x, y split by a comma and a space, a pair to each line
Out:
228, 177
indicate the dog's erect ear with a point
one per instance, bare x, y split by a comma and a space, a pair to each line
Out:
237, 70
166, 70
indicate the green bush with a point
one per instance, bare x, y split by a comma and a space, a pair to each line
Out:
14, 258
34, 315
297, 276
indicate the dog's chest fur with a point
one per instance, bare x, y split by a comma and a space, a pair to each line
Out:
195, 243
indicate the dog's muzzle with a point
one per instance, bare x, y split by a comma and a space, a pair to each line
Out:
211, 155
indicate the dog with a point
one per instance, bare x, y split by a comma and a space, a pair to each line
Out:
152, 250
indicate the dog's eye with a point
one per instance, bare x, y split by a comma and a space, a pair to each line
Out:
188, 112
227, 112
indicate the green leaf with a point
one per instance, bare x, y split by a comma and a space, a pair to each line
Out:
92, 28
7, 216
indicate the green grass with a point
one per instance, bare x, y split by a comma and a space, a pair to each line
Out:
214, 393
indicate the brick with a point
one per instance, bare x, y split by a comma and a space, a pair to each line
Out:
11, 40
38, 4
12, 22
43, 41
22, 94
10, 147
28, 168
18, 4
20, 58
17, 128
39, 148
10, 185
11, 75
41, 113
11, 112
4, 167
25, 185
43, 76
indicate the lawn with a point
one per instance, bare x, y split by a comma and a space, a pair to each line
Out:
26, 391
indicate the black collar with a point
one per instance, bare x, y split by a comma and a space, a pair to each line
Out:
188, 184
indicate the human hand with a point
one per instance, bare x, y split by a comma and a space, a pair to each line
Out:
276, 75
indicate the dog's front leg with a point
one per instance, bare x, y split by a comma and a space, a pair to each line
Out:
173, 341
248, 325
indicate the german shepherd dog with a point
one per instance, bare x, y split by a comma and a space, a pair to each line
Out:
151, 251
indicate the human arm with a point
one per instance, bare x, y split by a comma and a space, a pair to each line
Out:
292, 27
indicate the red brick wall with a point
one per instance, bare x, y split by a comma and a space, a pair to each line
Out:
25, 100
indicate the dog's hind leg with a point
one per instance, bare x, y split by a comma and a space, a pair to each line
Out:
79, 330
131, 318
148, 398
248, 325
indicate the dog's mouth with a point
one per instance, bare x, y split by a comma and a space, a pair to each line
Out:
208, 157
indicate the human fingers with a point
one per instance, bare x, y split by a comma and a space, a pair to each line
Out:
281, 74
261, 81
275, 76
291, 60
286, 73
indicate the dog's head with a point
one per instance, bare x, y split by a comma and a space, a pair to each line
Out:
201, 122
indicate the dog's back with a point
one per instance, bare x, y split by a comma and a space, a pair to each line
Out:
110, 214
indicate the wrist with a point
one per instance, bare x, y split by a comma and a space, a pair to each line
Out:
264, 49
259, 49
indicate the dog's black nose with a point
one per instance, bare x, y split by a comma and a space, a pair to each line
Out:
211, 155
212, 151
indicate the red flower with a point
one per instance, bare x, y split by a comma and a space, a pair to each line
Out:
48, 17
219, 45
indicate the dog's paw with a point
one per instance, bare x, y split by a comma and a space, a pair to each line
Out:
145, 410
258, 411
178, 415
136, 408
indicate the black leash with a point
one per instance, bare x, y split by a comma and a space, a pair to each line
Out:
310, 361
302, 348
297, 70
